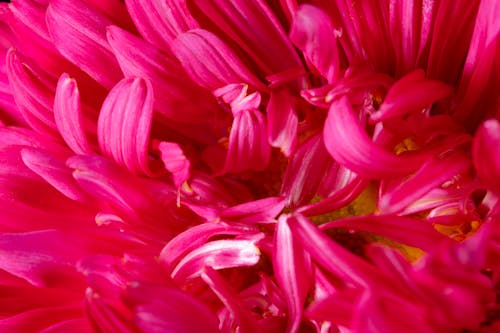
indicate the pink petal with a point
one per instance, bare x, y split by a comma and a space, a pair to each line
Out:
218, 254
195, 237
257, 31
405, 230
257, 211
331, 255
210, 62
32, 93
292, 268
43, 258
39, 319
160, 22
312, 31
431, 175
412, 93
160, 309
305, 171
349, 145
172, 88
72, 325
68, 115
79, 33
248, 145
175, 162
54, 172
486, 153
282, 121
246, 324
125, 123
338, 308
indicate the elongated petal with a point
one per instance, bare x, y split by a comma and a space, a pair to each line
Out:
68, 115
175, 161
218, 255
431, 175
125, 123
210, 62
195, 237
349, 144
313, 32
257, 211
54, 171
160, 22
32, 93
305, 172
248, 146
254, 27
412, 93
43, 258
246, 324
405, 230
37, 320
292, 267
160, 309
331, 255
486, 153
79, 33
282, 121
172, 87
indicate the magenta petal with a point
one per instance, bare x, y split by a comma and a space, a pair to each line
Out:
292, 268
246, 324
210, 62
431, 175
257, 211
54, 171
72, 325
305, 171
313, 32
282, 121
79, 33
160, 22
412, 93
338, 308
331, 255
405, 230
125, 123
256, 29
349, 145
175, 161
33, 93
195, 237
68, 115
37, 320
160, 309
486, 153
218, 254
248, 145
44, 258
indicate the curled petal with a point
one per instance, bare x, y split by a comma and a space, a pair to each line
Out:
412, 93
313, 32
257, 211
125, 123
218, 254
248, 145
210, 62
292, 267
486, 153
349, 145
175, 161
68, 115
79, 33
282, 121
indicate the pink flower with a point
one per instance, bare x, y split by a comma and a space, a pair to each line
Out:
249, 166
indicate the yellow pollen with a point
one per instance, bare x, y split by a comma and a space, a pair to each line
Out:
407, 144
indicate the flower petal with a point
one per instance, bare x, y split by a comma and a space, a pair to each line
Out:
486, 153
282, 121
210, 62
68, 115
79, 33
124, 124
312, 31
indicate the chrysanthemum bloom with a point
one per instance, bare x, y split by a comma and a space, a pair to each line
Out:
249, 166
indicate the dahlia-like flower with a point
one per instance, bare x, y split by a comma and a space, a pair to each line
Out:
249, 166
